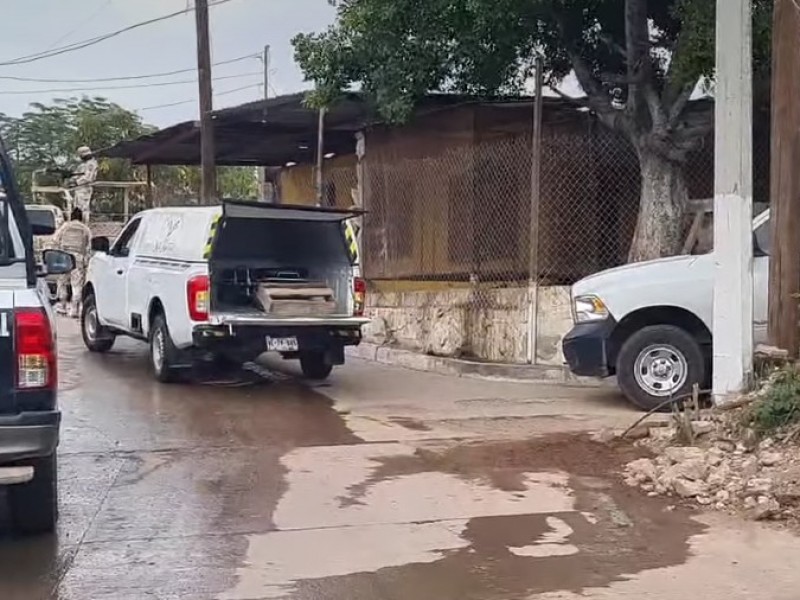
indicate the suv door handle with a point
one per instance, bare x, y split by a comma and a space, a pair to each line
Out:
120, 271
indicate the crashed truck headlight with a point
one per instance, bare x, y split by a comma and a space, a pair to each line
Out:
589, 308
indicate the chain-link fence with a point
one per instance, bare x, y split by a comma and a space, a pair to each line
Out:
466, 213
454, 233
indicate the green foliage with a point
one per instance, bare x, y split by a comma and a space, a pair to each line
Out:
48, 135
397, 50
637, 62
780, 404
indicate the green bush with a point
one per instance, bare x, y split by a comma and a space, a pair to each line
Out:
780, 404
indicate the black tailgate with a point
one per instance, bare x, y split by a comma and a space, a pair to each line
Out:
7, 357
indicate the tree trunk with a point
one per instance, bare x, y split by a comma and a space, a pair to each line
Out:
659, 229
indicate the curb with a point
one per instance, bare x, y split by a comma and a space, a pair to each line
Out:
415, 361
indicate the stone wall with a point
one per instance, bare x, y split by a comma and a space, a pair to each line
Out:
485, 324
553, 322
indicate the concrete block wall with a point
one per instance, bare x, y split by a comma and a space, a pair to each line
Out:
485, 324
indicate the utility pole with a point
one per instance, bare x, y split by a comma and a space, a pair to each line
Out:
784, 276
319, 181
733, 201
208, 186
262, 174
266, 60
533, 225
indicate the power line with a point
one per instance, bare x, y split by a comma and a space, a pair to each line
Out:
124, 78
120, 87
83, 23
22, 60
225, 93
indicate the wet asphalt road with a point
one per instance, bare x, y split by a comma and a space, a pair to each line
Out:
268, 488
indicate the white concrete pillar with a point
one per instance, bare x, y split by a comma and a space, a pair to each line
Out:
733, 201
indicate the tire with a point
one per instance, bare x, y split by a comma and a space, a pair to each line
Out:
314, 366
34, 505
658, 363
95, 337
163, 353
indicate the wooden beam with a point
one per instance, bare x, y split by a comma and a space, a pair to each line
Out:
784, 280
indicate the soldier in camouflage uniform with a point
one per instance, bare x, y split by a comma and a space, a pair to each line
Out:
83, 179
76, 238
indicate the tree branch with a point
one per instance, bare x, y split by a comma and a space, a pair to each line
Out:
614, 46
580, 102
640, 65
679, 104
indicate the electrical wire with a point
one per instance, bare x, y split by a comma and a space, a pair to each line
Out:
83, 23
22, 60
225, 93
127, 77
121, 87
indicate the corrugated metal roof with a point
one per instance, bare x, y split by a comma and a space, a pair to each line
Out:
280, 130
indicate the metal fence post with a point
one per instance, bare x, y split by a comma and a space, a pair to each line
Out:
533, 242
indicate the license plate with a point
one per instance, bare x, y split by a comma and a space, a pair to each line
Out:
282, 344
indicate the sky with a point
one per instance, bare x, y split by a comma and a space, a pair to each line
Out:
238, 28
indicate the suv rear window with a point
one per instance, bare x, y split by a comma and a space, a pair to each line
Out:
41, 216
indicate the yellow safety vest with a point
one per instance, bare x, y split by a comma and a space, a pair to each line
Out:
352, 241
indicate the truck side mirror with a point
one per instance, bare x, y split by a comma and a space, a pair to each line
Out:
58, 262
101, 244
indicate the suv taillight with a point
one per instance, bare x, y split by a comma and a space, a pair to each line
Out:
197, 293
35, 349
359, 296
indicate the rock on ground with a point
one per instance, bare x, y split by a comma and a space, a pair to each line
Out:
729, 469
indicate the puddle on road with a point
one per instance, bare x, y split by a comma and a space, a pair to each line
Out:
191, 467
479, 521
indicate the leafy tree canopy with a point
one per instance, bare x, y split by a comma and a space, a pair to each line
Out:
648, 55
637, 61
48, 135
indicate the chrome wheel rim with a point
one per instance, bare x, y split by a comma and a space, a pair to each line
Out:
661, 370
157, 350
90, 324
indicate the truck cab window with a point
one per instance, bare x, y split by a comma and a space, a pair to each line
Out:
122, 247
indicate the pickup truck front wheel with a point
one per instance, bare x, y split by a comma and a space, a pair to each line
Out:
659, 363
314, 366
163, 354
95, 337
34, 505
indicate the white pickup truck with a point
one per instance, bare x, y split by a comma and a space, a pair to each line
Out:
650, 323
227, 283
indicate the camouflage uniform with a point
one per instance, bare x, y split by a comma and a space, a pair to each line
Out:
73, 237
85, 176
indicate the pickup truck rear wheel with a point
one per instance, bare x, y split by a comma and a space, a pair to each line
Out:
95, 337
163, 354
657, 363
314, 366
34, 505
